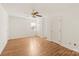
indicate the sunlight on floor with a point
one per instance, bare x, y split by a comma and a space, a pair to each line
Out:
34, 49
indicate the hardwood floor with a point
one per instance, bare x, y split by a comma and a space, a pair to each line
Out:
35, 46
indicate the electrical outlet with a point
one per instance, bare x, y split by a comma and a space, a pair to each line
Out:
74, 44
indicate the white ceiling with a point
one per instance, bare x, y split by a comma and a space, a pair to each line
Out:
26, 8
17, 8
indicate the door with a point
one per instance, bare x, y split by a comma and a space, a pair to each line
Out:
56, 29
35, 26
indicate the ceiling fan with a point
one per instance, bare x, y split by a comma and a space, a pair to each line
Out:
35, 14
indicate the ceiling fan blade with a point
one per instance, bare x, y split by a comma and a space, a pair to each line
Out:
39, 15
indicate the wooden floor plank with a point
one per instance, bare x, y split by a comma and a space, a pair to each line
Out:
35, 46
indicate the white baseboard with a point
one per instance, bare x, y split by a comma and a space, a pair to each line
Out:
24, 37
17, 37
64, 45
3, 46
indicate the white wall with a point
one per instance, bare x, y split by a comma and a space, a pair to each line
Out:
70, 29
21, 27
69, 15
3, 28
